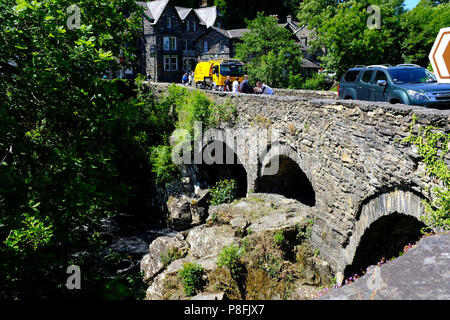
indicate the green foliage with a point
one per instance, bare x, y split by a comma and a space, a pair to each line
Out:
421, 25
278, 238
295, 81
316, 82
230, 257
162, 165
195, 106
225, 112
73, 136
171, 255
404, 37
432, 147
224, 191
269, 51
34, 235
342, 29
191, 276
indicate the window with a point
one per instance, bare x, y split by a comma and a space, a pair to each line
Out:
221, 46
351, 76
170, 43
205, 46
170, 63
187, 25
411, 75
194, 26
169, 22
367, 76
185, 45
380, 75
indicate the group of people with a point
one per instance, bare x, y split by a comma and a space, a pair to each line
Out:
188, 78
233, 86
244, 86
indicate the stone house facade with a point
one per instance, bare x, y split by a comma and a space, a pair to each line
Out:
169, 44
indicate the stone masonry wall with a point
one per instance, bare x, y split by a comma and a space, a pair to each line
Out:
352, 154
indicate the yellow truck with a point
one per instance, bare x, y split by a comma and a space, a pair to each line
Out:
213, 74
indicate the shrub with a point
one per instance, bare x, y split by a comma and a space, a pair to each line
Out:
432, 147
295, 81
316, 82
225, 112
191, 276
162, 165
195, 106
230, 257
224, 191
278, 238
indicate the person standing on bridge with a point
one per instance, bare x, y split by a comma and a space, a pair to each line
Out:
236, 85
245, 86
228, 84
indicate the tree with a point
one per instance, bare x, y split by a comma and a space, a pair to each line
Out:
342, 29
61, 131
422, 24
269, 51
237, 11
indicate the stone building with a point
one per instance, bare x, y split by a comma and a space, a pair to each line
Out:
169, 45
175, 38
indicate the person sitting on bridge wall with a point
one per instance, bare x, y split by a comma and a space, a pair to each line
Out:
263, 89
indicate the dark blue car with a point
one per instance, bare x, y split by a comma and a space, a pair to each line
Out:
404, 83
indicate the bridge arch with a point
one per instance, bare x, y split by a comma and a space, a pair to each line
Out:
289, 177
226, 165
385, 224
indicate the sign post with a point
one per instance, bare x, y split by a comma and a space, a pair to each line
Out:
440, 56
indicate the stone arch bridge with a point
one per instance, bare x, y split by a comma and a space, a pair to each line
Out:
346, 161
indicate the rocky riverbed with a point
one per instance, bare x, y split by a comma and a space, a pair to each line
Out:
272, 234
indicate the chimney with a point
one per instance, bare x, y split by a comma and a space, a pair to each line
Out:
289, 19
203, 3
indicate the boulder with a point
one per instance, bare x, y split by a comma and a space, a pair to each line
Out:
151, 263
158, 288
207, 242
184, 212
422, 273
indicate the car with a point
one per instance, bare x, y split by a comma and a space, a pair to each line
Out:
329, 75
404, 83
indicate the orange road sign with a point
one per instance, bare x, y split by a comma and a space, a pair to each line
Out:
440, 56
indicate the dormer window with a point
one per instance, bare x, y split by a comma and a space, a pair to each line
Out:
169, 22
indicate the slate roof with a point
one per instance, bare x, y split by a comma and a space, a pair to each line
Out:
154, 9
237, 33
183, 12
308, 64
